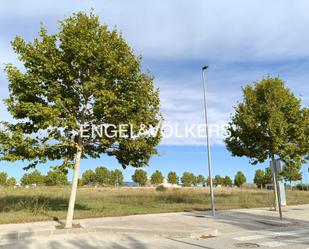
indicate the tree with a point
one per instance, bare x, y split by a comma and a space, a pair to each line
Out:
11, 181
259, 178
239, 179
56, 178
268, 176
270, 123
88, 177
227, 181
35, 177
3, 178
188, 179
156, 177
140, 177
219, 179
291, 174
172, 177
82, 76
208, 181
102, 176
116, 177
200, 179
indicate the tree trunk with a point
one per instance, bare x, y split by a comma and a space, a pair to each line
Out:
68, 223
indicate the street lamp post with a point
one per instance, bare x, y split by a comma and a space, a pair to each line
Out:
208, 145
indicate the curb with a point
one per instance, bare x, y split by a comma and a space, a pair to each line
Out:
205, 233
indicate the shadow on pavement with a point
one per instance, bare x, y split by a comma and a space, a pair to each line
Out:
250, 221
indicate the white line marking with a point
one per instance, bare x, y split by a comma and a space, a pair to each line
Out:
251, 237
272, 244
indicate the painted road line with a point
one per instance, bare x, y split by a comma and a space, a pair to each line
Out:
252, 237
272, 243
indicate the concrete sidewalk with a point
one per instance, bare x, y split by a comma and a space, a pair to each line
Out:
184, 224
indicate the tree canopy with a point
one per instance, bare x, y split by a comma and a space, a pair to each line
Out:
239, 179
140, 177
172, 177
157, 177
83, 75
270, 122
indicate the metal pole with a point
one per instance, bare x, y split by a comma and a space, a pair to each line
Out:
208, 145
277, 186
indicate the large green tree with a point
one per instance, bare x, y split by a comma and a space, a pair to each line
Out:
269, 123
83, 75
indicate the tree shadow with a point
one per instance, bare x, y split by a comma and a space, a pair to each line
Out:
36, 204
251, 221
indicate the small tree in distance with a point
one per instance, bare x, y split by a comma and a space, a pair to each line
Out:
239, 179
172, 177
56, 177
227, 181
102, 176
140, 177
156, 177
3, 178
219, 179
188, 179
259, 178
116, 177
200, 180
88, 177
11, 181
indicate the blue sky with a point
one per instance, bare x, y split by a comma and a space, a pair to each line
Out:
241, 41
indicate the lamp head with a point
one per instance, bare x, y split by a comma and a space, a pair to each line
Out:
204, 67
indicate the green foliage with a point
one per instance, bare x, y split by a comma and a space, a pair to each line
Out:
268, 177
172, 177
35, 177
239, 179
227, 181
83, 74
56, 178
259, 178
116, 178
140, 177
88, 177
270, 122
102, 176
219, 179
3, 178
200, 179
11, 181
188, 179
157, 177
291, 174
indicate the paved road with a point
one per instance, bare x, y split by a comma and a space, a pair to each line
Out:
250, 228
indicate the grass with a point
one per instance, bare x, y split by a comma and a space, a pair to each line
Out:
48, 203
